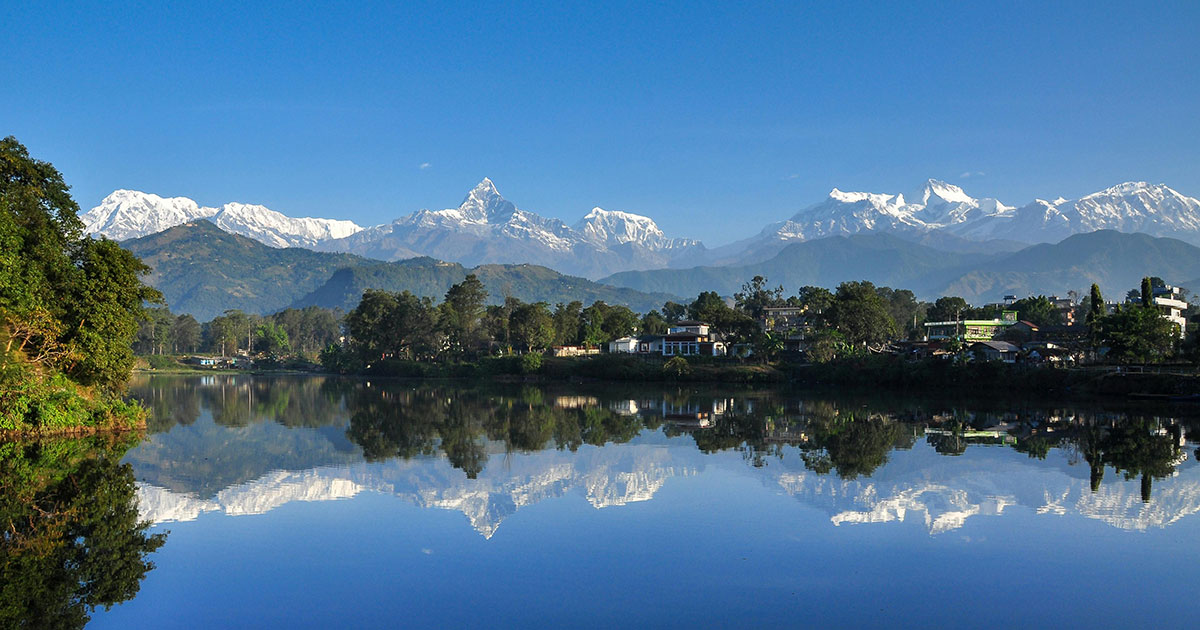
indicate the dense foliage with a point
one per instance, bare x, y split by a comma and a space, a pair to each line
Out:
69, 305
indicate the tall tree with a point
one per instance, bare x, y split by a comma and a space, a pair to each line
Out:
861, 315
461, 313
755, 297
72, 301
1095, 316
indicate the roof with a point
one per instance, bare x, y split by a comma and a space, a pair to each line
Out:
998, 346
687, 322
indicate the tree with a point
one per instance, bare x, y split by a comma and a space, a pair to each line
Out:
947, 309
1139, 334
861, 315
653, 324
755, 297
369, 325
1038, 310
1095, 316
673, 312
815, 301
904, 308
271, 339
185, 334
532, 327
1147, 293
86, 294
461, 312
568, 323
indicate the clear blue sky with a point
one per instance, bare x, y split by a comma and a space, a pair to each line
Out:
713, 119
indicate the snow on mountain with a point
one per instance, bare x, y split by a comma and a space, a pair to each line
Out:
127, 214
487, 228
1130, 207
612, 227
277, 230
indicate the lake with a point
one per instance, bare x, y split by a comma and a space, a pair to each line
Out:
312, 502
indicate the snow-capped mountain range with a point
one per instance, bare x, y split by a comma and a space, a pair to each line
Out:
127, 214
1154, 209
487, 228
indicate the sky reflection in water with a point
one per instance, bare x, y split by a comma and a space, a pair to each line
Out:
306, 502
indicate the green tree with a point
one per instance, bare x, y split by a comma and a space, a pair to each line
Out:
653, 323
947, 309
1147, 293
1038, 310
461, 313
673, 312
185, 334
568, 322
532, 327
816, 302
272, 340
1095, 316
70, 303
861, 315
755, 297
1139, 334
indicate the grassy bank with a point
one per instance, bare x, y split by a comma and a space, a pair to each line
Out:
57, 406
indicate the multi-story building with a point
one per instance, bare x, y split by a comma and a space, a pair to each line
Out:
1169, 302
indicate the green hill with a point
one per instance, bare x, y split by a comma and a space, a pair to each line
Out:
204, 270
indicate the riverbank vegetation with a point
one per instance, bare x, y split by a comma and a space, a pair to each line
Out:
69, 308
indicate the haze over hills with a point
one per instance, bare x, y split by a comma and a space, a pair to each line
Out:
1114, 260
203, 270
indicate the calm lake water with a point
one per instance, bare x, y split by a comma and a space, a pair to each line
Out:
309, 502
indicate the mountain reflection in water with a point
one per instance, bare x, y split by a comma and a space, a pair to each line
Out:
246, 445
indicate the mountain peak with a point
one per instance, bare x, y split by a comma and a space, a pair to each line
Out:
935, 190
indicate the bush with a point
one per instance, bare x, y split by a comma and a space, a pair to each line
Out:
161, 362
531, 362
677, 367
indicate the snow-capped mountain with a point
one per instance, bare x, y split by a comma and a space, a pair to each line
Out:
487, 228
127, 214
1154, 209
938, 207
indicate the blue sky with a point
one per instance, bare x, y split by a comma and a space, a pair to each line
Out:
714, 119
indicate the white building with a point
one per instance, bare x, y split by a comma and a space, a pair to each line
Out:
1169, 303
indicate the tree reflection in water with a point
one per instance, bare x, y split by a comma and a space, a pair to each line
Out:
72, 539
847, 436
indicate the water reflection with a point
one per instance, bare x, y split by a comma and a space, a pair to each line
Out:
243, 445
72, 539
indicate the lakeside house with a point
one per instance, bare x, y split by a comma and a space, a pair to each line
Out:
692, 338
995, 351
971, 329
